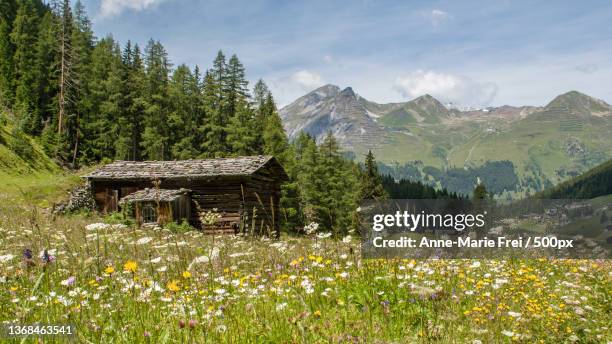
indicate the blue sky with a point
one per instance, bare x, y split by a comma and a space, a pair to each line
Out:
471, 53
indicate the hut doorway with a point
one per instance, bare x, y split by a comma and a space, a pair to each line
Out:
149, 213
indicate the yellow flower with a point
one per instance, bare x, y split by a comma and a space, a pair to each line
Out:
130, 266
186, 274
317, 313
173, 285
109, 270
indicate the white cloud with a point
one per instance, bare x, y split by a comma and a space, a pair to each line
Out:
288, 88
457, 89
111, 8
307, 80
438, 16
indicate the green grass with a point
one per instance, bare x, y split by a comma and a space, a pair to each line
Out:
298, 289
20, 154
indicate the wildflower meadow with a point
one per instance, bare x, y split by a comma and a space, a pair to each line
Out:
121, 284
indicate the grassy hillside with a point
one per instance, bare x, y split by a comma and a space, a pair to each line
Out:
594, 183
28, 175
549, 146
20, 154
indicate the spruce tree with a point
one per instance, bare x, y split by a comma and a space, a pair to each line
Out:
81, 50
240, 134
47, 59
338, 186
275, 140
371, 182
23, 37
101, 130
132, 104
182, 118
308, 177
215, 129
8, 11
236, 86
156, 137
262, 110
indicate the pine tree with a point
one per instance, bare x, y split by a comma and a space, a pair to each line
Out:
182, 120
45, 67
8, 11
23, 37
132, 104
308, 177
156, 139
236, 86
240, 134
371, 182
65, 65
101, 130
215, 105
262, 110
275, 140
81, 50
338, 184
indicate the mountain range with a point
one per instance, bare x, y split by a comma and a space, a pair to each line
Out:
517, 149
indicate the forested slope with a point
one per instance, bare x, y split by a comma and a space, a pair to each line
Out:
594, 183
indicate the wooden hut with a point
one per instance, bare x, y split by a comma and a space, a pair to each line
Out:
158, 206
244, 191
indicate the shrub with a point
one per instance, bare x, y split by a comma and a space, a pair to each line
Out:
174, 227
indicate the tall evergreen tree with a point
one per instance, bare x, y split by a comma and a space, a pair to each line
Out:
156, 136
132, 104
81, 50
337, 200
45, 67
262, 110
275, 140
371, 181
240, 134
236, 86
8, 9
23, 37
101, 130
182, 120
215, 104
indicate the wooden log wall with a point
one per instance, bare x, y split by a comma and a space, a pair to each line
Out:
254, 200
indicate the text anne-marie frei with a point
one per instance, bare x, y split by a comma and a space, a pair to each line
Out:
459, 222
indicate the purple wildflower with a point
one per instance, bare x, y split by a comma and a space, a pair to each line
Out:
46, 257
27, 253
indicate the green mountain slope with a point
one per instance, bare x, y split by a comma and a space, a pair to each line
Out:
449, 147
594, 183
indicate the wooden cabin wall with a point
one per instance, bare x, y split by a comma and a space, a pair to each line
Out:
164, 213
228, 196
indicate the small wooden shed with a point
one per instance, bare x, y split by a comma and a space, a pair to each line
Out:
158, 206
245, 191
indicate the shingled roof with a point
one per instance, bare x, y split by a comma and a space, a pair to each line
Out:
226, 167
152, 194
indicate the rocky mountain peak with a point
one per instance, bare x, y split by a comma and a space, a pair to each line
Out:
327, 90
347, 92
579, 104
